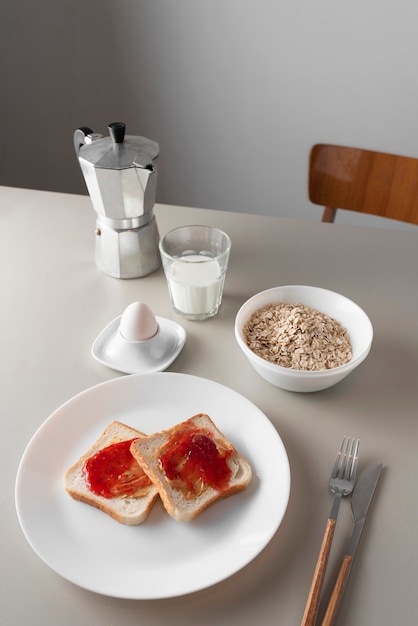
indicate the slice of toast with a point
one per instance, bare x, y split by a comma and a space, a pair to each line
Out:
130, 510
189, 473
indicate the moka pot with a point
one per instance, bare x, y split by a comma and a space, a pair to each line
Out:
121, 177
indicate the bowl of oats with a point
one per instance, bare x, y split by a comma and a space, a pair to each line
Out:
303, 338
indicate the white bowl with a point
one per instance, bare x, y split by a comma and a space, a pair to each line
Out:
349, 314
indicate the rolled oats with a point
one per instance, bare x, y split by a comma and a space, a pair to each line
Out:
297, 337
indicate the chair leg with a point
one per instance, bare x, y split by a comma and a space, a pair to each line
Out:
329, 214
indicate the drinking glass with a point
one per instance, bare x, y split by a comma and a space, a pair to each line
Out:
195, 260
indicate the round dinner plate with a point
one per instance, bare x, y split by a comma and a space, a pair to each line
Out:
160, 558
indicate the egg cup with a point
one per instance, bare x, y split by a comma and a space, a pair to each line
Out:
137, 342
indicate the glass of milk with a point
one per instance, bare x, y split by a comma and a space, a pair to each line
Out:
195, 259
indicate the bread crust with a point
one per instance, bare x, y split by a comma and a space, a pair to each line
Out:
147, 451
130, 510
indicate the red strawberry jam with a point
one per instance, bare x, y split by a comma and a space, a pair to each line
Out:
192, 459
114, 473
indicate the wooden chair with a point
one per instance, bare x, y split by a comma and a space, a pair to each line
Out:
365, 181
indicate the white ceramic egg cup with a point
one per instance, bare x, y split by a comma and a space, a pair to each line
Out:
137, 342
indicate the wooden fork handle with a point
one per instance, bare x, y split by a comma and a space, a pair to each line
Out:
312, 604
337, 592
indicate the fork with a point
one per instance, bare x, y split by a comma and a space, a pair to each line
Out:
341, 484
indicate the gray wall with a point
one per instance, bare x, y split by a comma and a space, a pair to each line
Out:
235, 91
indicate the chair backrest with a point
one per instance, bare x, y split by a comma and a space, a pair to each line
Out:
365, 181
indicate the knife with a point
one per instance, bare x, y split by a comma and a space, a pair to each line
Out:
360, 502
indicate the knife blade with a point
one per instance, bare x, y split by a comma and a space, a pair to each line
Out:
360, 503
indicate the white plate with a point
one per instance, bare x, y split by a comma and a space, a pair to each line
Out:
139, 357
160, 558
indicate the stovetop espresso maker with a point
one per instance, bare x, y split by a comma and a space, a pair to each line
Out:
121, 177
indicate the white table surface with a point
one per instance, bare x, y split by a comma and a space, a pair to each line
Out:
54, 302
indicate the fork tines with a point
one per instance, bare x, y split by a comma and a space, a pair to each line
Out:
347, 458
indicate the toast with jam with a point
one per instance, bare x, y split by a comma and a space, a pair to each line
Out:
109, 478
192, 465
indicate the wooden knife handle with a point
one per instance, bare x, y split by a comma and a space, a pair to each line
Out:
337, 592
312, 604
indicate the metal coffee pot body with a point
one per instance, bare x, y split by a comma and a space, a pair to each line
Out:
121, 177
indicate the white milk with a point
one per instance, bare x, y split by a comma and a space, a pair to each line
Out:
196, 283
